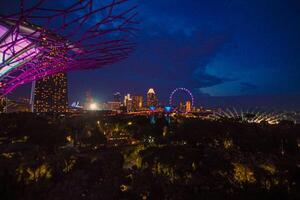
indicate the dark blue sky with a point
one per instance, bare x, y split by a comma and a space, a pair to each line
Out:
213, 47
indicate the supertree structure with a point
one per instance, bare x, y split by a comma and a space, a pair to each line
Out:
48, 37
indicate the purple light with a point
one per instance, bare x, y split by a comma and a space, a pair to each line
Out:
152, 108
181, 89
3, 30
65, 40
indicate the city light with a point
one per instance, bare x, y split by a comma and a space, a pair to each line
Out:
93, 106
69, 138
191, 110
152, 108
251, 116
168, 109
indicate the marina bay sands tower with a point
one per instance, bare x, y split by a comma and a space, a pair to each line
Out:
50, 94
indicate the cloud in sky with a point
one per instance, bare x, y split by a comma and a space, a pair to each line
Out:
246, 87
219, 48
166, 60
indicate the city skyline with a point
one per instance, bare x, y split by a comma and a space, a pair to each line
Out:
149, 99
219, 50
273, 101
228, 48
243, 102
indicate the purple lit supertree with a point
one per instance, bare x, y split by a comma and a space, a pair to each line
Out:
40, 40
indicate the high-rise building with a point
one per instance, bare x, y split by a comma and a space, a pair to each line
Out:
114, 106
51, 94
188, 106
2, 104
126, 99
137, 103
181, 107
151, 98
128, 102
117, 97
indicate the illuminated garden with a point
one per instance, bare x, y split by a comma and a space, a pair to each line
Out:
98, 156
197, 100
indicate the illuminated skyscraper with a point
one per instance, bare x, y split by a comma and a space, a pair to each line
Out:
117, 97
137, 103
51, 94
151, 98
128, 102
188, 106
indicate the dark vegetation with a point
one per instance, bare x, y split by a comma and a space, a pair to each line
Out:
52, 157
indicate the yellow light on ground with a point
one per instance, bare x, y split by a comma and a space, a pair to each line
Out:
124, 187
69, 138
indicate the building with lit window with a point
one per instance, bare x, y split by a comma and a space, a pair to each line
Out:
188, 106
151, 98
137, 103
51, 94
114, 106
128, 102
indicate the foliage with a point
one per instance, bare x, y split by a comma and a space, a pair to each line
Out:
196, 160
243, 174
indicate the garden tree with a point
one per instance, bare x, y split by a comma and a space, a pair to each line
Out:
34, 130
95, 175
198, 159
75, 125
8, 183
146, 185
94, 137
46, 136
132, 157
177, 158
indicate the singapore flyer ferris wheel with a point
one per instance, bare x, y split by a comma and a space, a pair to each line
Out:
184, 90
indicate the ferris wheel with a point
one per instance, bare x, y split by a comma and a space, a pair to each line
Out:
184, 90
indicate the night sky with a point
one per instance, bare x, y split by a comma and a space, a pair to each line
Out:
216, 48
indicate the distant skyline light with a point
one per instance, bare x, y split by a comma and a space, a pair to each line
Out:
93, 106
227, 53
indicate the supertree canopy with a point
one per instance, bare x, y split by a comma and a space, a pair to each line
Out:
47, 37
